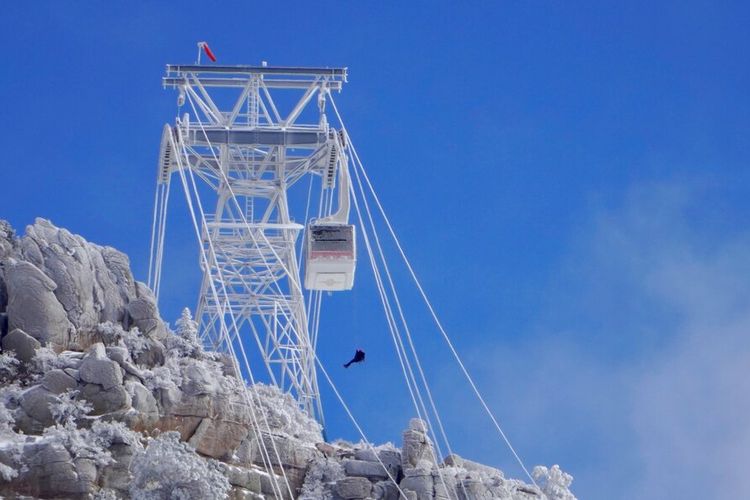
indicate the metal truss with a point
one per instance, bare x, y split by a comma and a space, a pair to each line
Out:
247, 153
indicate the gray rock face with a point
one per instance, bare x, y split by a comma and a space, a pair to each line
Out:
94, 282
33, 307
417, 451
96, 368
390, 458
213, 424
7, 245
117, 476
106, 400
22, 344
249, 479
420, 482
472, 489
143, 313
353, 487
457, 461
144, 402
385, 490
57, 381
361, 468
52, 471
90, 284
36, 402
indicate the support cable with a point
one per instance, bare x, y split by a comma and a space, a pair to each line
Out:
428, 302
403, 357
230, 343
294, 283
359, 429
328, 205
265, 455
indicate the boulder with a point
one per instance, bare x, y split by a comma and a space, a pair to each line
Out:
445, 484
197, 382
52, 472
326, 449
248, 479
371, 470
66, 259
23, 344
143, 313
33, 307
239, 493
390, 458
36, 403
152, 355
117, 475
7, 245
420, 482
144, 402
96, 368
121, 356
106, 400
454, 460
293, 454
473, 489
57, 381
385, 490
353, 487
417, 448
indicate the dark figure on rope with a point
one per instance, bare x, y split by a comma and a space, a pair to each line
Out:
359, 356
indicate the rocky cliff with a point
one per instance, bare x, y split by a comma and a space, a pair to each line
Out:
100, 399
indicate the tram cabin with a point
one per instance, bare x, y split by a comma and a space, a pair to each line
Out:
331, 257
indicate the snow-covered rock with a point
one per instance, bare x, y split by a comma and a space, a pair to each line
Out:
23, 344
98, 398
32, 305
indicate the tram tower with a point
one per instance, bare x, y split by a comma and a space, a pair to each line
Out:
244, 135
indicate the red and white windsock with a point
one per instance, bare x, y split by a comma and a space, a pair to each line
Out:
207, 50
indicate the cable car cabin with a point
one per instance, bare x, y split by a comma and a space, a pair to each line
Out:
331, 257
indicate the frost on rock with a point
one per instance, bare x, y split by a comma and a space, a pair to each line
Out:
90, 375
283, 414
8, 366
169, 468
69, 408
554, 482
321, 477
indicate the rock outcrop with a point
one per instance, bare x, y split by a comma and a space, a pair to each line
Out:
58, 288
99, 398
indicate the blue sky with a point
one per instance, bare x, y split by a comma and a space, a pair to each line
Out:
569, 179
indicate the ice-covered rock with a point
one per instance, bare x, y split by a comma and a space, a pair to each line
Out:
57, 381
36, 402
353, 487
58, 287
23, 344
97, 368
100, 382
417, 451
32, 305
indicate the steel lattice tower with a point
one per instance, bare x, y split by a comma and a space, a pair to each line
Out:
233, 137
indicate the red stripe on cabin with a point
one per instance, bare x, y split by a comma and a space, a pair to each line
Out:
330, 253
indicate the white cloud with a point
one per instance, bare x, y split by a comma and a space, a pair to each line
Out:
639, 375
